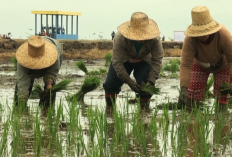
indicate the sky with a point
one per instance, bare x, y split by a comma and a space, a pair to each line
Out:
101, 17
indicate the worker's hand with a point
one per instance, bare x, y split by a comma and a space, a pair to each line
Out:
45, 97
133, 85
149, 83
47, 91
183, 97
49, 85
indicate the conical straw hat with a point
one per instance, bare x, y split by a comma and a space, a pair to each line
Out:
202, 23
140, 27
37, 53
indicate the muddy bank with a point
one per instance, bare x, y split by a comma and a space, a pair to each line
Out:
82, 49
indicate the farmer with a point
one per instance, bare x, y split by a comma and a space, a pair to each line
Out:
207, 49
137, 47
38, 57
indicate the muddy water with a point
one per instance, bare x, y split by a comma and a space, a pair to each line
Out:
168, 93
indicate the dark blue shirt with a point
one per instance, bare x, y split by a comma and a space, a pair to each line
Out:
138, 46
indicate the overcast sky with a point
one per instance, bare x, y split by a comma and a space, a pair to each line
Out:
103, 16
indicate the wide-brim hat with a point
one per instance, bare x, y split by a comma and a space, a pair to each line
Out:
140, 27
202, 23
36, 53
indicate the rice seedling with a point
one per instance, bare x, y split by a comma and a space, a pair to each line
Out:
174, 61
38, 136
148, 89
167, 67
3, 139
129, 133
225, 88
81, 65
90, 83
174, 67
14, 61
101, 71
162, 74
62, 85
108, 57
208, 93
18, 145
35, 91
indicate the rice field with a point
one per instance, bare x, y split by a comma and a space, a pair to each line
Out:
89, 129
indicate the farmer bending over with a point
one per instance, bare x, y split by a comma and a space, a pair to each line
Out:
207, 49
39, 57
137, 47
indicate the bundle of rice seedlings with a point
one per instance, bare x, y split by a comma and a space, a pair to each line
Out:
225, 88
177, 61
167, 67
35, 91
97, 72
149, 89
162, 74
103, 71
81, 65
89, 84
62, 85
108, 57
174, 75
94, 72
14, 61
174, 67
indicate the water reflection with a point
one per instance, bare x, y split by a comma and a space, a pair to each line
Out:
71, 129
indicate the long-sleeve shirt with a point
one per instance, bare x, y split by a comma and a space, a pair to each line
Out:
24, 75
124, 50
206, 56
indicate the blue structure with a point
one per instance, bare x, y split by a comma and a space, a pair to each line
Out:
56, 31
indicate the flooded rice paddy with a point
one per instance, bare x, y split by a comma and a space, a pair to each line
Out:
74, 129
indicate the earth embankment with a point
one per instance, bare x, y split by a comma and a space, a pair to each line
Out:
82, 49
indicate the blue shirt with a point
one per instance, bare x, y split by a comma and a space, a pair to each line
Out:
138, 46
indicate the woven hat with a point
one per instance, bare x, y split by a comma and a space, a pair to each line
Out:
202, 23
140, 27
37, 53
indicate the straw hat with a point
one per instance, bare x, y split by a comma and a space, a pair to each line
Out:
202, 23
37, 53
140, 27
